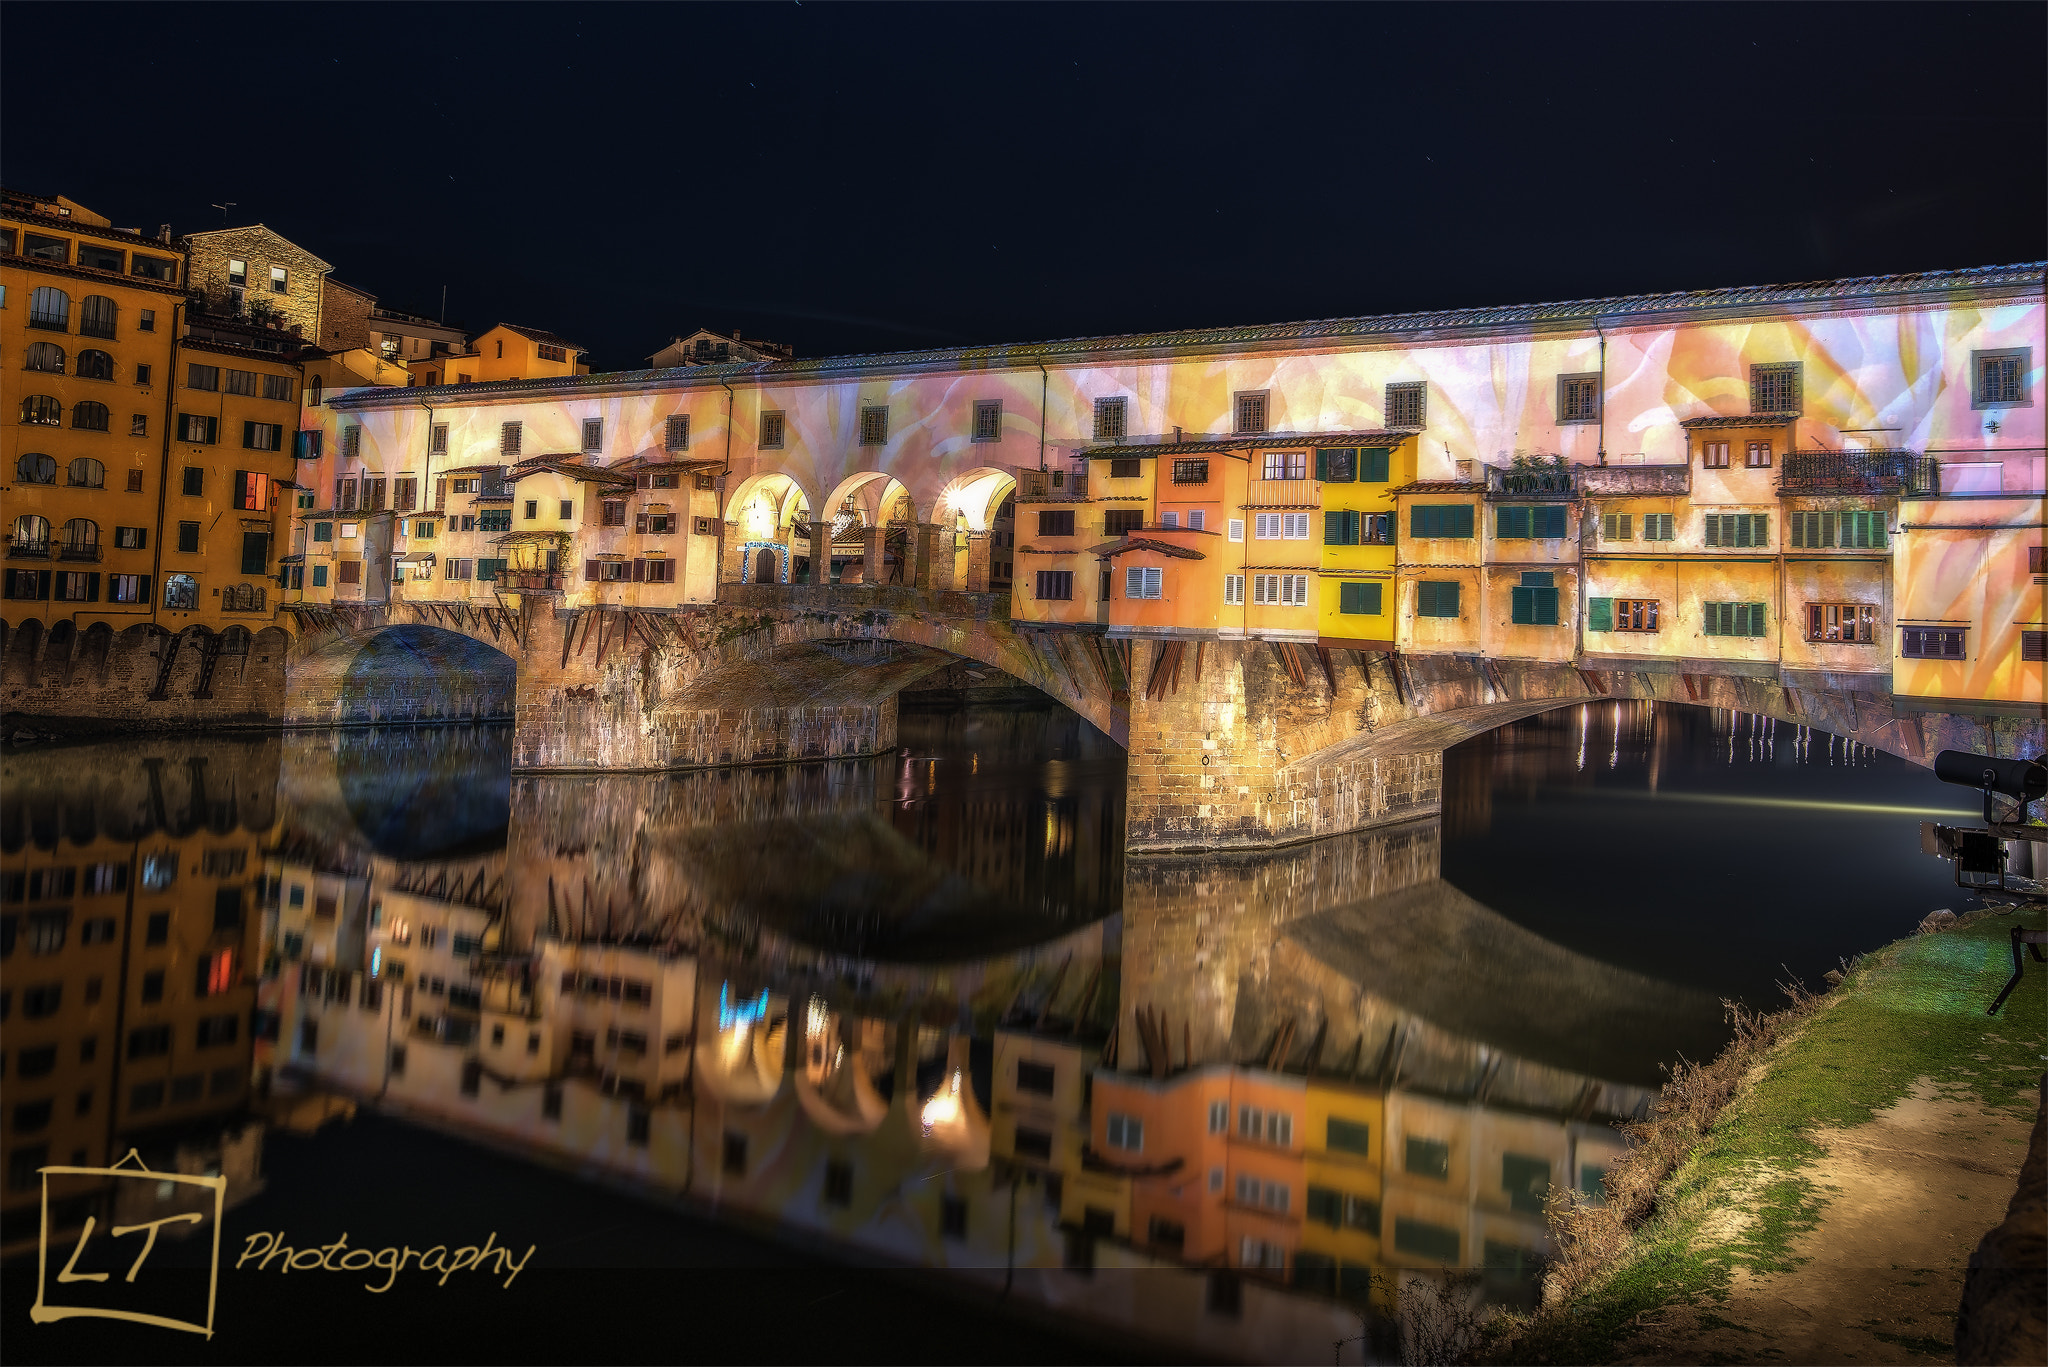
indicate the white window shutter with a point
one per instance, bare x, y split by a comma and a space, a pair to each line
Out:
1154, 582
1237, 529
1134, 582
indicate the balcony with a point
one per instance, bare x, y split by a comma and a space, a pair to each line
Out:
1283, 493
1903, 473
27, 550
1533, 481
1613, 481
530, 581
79, 551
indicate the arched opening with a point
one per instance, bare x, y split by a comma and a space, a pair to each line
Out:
767, 567
769, 513
417, 673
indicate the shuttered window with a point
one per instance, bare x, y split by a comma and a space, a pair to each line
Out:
1143, 581
1738, 531
1847, 623
1534, 601
1280, 590
1056, 585
1660, 527
1617, 527
1735, 619
1372, 465
1059, 523
1233, 590
1932, 643
1849, 529
1340, 529
1358, 599
1544, 522
1440, 520
1436, 597
1599, 614
510, 435
1337, 465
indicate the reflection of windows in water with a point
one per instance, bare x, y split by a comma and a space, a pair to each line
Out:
224, 863
159, 871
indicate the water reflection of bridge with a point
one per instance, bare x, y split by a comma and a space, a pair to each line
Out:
786, 990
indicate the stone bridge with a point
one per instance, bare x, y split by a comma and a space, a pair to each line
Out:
1232, 743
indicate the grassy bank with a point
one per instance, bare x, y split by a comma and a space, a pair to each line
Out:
1720, 1179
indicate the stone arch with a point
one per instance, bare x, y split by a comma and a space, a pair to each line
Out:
974, 494
400, 673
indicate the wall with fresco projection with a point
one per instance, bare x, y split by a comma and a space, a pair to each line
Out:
1914, 399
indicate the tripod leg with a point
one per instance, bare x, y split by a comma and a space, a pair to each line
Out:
2019, 966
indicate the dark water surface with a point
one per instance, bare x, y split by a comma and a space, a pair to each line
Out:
805, 1022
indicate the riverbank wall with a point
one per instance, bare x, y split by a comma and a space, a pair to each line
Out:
1829, 1211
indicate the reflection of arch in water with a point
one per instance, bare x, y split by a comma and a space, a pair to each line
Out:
426, 792
130, 789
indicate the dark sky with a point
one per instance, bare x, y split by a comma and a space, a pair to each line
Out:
868, 177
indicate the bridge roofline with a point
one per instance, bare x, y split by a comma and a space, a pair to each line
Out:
1976, 283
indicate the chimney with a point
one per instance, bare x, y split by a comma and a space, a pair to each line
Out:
735, 334
163, 233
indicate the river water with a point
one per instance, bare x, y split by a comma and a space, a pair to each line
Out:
880, 1007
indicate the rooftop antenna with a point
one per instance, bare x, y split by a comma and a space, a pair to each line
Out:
444, 304
224, 212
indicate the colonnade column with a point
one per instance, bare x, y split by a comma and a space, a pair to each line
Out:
821, 552
871, 553
978, 544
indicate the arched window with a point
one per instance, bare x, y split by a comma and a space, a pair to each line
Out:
81, 539
313, 388
181, 591
87, 473
90, 416
95, 365
242, 598
40, 410
44, 356
35, 468
235, 640
49, 307
31, 533
95, 316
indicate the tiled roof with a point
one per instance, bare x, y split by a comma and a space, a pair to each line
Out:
570, 469
1440, 486
1713, 420
540, 335
1109, 550
1440, 324
1248, 442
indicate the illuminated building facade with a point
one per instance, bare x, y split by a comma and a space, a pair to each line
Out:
1829, 482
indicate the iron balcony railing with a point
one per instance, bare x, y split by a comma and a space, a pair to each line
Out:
1533, 480
530, 581
27, 550
1858, 472
47, 318
79, 550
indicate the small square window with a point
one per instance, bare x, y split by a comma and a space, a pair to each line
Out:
1774, 388
2000, 379
280, 282
874, 426
142, 374
1250, 411
1109, 419
510, 435
988, 420
593, 434
1406, 405
1578, 398
774, 431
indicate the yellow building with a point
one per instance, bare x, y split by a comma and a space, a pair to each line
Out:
1355, 593
89, 316
506, 352
1345, 1136
229, 500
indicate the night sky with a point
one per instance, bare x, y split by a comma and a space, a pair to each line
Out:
868, 177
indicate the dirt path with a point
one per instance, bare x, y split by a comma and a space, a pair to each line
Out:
1908, 1197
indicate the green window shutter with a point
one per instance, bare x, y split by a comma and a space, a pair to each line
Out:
1425, 598
1372, 599
1713, 618
1522, 609
1447, 594
1348, 1136
1333, 527
1599, 614
1549, 522
1758, 625
1373, 465
1460, 519
1347, 597
1539, 579
1322, 464
1799, 530
1352, 523
1760, 529
1880, 534
1713, 530
1511, 524
1416, 520
1546, 607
